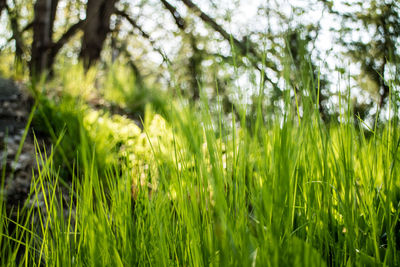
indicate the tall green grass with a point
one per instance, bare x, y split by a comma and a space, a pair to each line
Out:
197, 191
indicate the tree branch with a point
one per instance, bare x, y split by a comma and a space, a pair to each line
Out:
244, 48
66, 36
142, 32
180, 22
24, 29
211, 22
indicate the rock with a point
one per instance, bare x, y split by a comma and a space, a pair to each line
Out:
8, 90
14, 112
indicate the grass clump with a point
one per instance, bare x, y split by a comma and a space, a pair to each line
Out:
191, 191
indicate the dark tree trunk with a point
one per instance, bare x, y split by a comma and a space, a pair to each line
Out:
41, 57
2, 5
16, 35
195, 61
96, 28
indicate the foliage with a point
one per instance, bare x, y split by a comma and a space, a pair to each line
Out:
67, 113
187, 49
370, 33
189, 191
215, 171
122, 88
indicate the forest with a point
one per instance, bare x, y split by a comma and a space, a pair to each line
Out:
199, 133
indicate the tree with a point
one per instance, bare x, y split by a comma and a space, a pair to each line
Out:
2, 5
45, 13
44, 48
256, 50
20, 46
304, 75
376, 25
96, 29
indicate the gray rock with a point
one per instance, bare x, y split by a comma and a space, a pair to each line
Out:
8, 90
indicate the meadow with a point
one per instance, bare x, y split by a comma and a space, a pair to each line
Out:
189, 187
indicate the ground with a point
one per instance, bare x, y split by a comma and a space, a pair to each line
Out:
15, 106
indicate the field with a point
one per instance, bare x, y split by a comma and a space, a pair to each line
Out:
192, 188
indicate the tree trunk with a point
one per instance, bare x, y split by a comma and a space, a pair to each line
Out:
2, 5
41, 56
16, 34
96, 28
195, 61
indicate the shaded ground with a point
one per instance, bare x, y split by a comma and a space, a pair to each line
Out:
15, 106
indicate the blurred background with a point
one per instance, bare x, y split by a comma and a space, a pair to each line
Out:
218, 129
230, 49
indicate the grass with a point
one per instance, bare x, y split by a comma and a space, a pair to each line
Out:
192, 190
